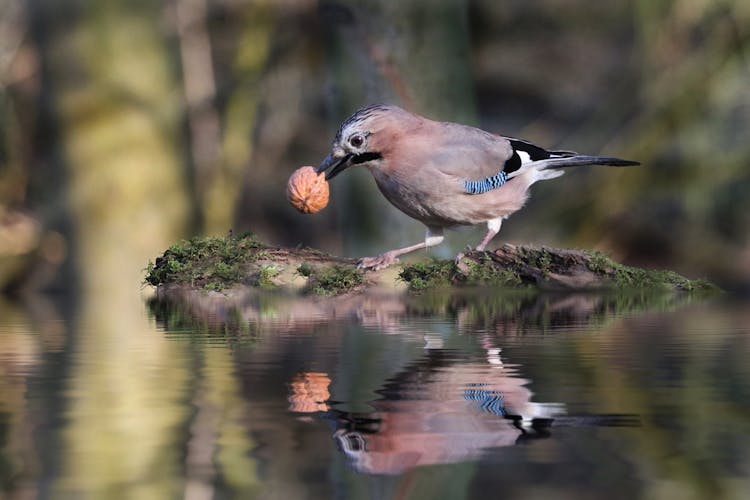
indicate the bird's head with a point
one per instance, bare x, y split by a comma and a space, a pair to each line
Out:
360, 139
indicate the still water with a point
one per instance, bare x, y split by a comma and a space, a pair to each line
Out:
475, 395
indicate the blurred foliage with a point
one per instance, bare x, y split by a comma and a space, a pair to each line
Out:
124, 126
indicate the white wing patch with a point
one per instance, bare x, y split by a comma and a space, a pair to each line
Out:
524, 156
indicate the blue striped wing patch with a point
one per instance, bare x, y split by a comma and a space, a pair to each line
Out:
484, 185
489, 401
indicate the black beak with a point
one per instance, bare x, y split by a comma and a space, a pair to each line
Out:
337, 165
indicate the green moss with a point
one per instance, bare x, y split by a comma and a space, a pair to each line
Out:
439, 273
331, 280
430, 274
623, 276
266, 274
543, 261
478, 269
305, 269
542, 258
210, 262
598, 261
217, 263
487, 272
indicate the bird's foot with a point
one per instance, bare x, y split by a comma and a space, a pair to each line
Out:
378, 262
469, 249
478, 248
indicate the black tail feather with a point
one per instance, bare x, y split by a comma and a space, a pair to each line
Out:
580, 160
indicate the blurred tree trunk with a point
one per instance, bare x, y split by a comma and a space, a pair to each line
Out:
121, 185
411, 53
113, 95
199, 89
237, 103
286, 123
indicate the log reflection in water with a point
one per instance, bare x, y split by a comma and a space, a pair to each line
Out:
507, 312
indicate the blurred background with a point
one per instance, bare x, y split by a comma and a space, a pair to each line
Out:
128, 125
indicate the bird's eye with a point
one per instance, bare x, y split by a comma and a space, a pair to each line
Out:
356, 141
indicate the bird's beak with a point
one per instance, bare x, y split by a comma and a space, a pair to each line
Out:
335, 164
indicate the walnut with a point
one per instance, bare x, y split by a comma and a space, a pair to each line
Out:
307, 191
309, 392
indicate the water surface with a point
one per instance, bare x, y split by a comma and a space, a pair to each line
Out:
476, 395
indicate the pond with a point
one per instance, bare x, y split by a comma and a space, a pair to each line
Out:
473, 395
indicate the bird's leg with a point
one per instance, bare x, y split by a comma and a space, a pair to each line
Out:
493, 227
433, 237
388, 258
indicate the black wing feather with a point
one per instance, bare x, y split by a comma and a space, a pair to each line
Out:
535, 154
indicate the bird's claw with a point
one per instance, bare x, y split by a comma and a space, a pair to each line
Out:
378, 262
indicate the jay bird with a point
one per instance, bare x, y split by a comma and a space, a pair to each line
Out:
444, 174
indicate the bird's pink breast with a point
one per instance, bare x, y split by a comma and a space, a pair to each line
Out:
440, 201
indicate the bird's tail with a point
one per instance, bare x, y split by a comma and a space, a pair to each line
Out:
577, 160
547, 168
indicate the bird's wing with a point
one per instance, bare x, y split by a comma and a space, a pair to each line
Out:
526, 152
482, 161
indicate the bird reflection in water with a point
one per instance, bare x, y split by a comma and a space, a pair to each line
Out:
447, 405
440, 409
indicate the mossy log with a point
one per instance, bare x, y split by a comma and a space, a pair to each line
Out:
218, 264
